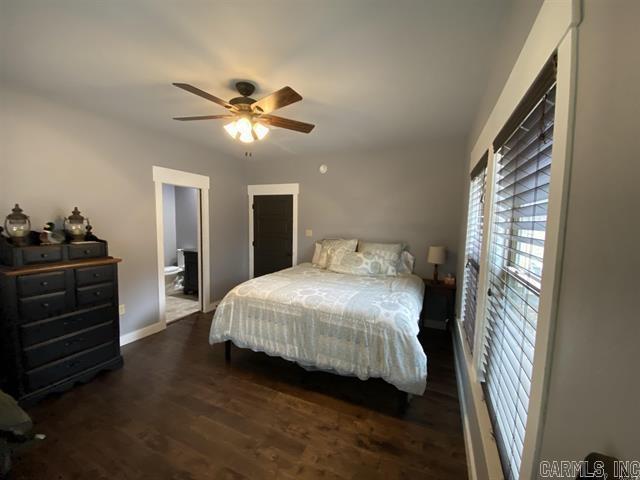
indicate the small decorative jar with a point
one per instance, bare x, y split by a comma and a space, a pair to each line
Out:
18, 226
75, 225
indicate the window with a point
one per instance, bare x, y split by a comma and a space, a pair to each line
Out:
473, 247
516, 250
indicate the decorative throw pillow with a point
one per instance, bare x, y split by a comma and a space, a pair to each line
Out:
406, 263
316, 253
362, 263
331, 247
390, 251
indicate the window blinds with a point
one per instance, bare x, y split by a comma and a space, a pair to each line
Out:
521, 191
473, 247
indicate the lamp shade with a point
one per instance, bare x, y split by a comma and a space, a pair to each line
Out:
437, 255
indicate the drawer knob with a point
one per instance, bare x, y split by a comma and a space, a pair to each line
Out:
44, 284
87, 252
45, 305
44, 255
96, 275
98, 293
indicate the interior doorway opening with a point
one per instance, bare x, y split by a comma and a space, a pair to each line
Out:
182, 228
181, 256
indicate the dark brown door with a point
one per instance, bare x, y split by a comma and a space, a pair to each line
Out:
272, 233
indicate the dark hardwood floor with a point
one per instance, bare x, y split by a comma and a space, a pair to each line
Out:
177, 411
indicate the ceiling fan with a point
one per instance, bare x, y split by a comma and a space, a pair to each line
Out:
251, 118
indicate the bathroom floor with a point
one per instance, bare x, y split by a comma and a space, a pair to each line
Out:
179, 305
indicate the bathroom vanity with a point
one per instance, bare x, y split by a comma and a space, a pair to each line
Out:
190, 272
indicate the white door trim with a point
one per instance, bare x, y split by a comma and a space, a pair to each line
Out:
179, 178
274, 189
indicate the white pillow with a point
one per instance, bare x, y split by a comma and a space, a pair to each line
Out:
362, 263
386, 250
406, 263
330, 247
316, 253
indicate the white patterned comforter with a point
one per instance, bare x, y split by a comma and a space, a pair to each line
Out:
346, 324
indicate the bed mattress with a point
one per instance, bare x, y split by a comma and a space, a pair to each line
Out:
363, 326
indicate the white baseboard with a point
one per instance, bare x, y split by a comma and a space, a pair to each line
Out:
212, 306
154, 328
141, 333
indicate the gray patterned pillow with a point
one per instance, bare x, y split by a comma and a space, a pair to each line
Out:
317, 248
406, 263
390, 251
362, 263
331, 247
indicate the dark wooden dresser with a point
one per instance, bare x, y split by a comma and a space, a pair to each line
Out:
59, 321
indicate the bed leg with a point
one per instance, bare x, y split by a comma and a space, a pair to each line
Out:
403, 402
227, 351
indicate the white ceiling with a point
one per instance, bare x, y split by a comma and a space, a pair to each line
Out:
372, 73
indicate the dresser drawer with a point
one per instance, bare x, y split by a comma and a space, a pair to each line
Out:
29, 285
46, 254
100, 293
93, 275
42, 306
51, 328
61, 369
63, 347
87, 250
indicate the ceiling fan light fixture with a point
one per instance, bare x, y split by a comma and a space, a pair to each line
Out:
248, 116
232, 129
244, 126
260, 130
246, 137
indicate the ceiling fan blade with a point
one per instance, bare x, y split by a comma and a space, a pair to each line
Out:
204, 117
203, 94
283, 97
287, 123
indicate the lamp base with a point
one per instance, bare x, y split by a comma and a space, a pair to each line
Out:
435, 273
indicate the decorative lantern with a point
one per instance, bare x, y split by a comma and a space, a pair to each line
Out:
75, 225
18, 226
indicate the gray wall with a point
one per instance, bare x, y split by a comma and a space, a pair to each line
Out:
169, 223
518, 21
594, 394
409, 194
186, 218
62, 157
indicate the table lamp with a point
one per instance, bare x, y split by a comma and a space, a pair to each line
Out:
436, 256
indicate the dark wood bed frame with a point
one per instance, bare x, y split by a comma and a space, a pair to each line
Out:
403, 398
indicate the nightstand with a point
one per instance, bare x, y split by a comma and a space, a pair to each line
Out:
439, 304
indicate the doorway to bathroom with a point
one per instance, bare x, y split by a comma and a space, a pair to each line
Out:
182, 218
180, 212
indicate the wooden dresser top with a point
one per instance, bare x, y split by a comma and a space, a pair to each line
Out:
49, 267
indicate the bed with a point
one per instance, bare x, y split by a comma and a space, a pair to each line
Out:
363, 326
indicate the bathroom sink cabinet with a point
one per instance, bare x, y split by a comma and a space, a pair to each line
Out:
190, 272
